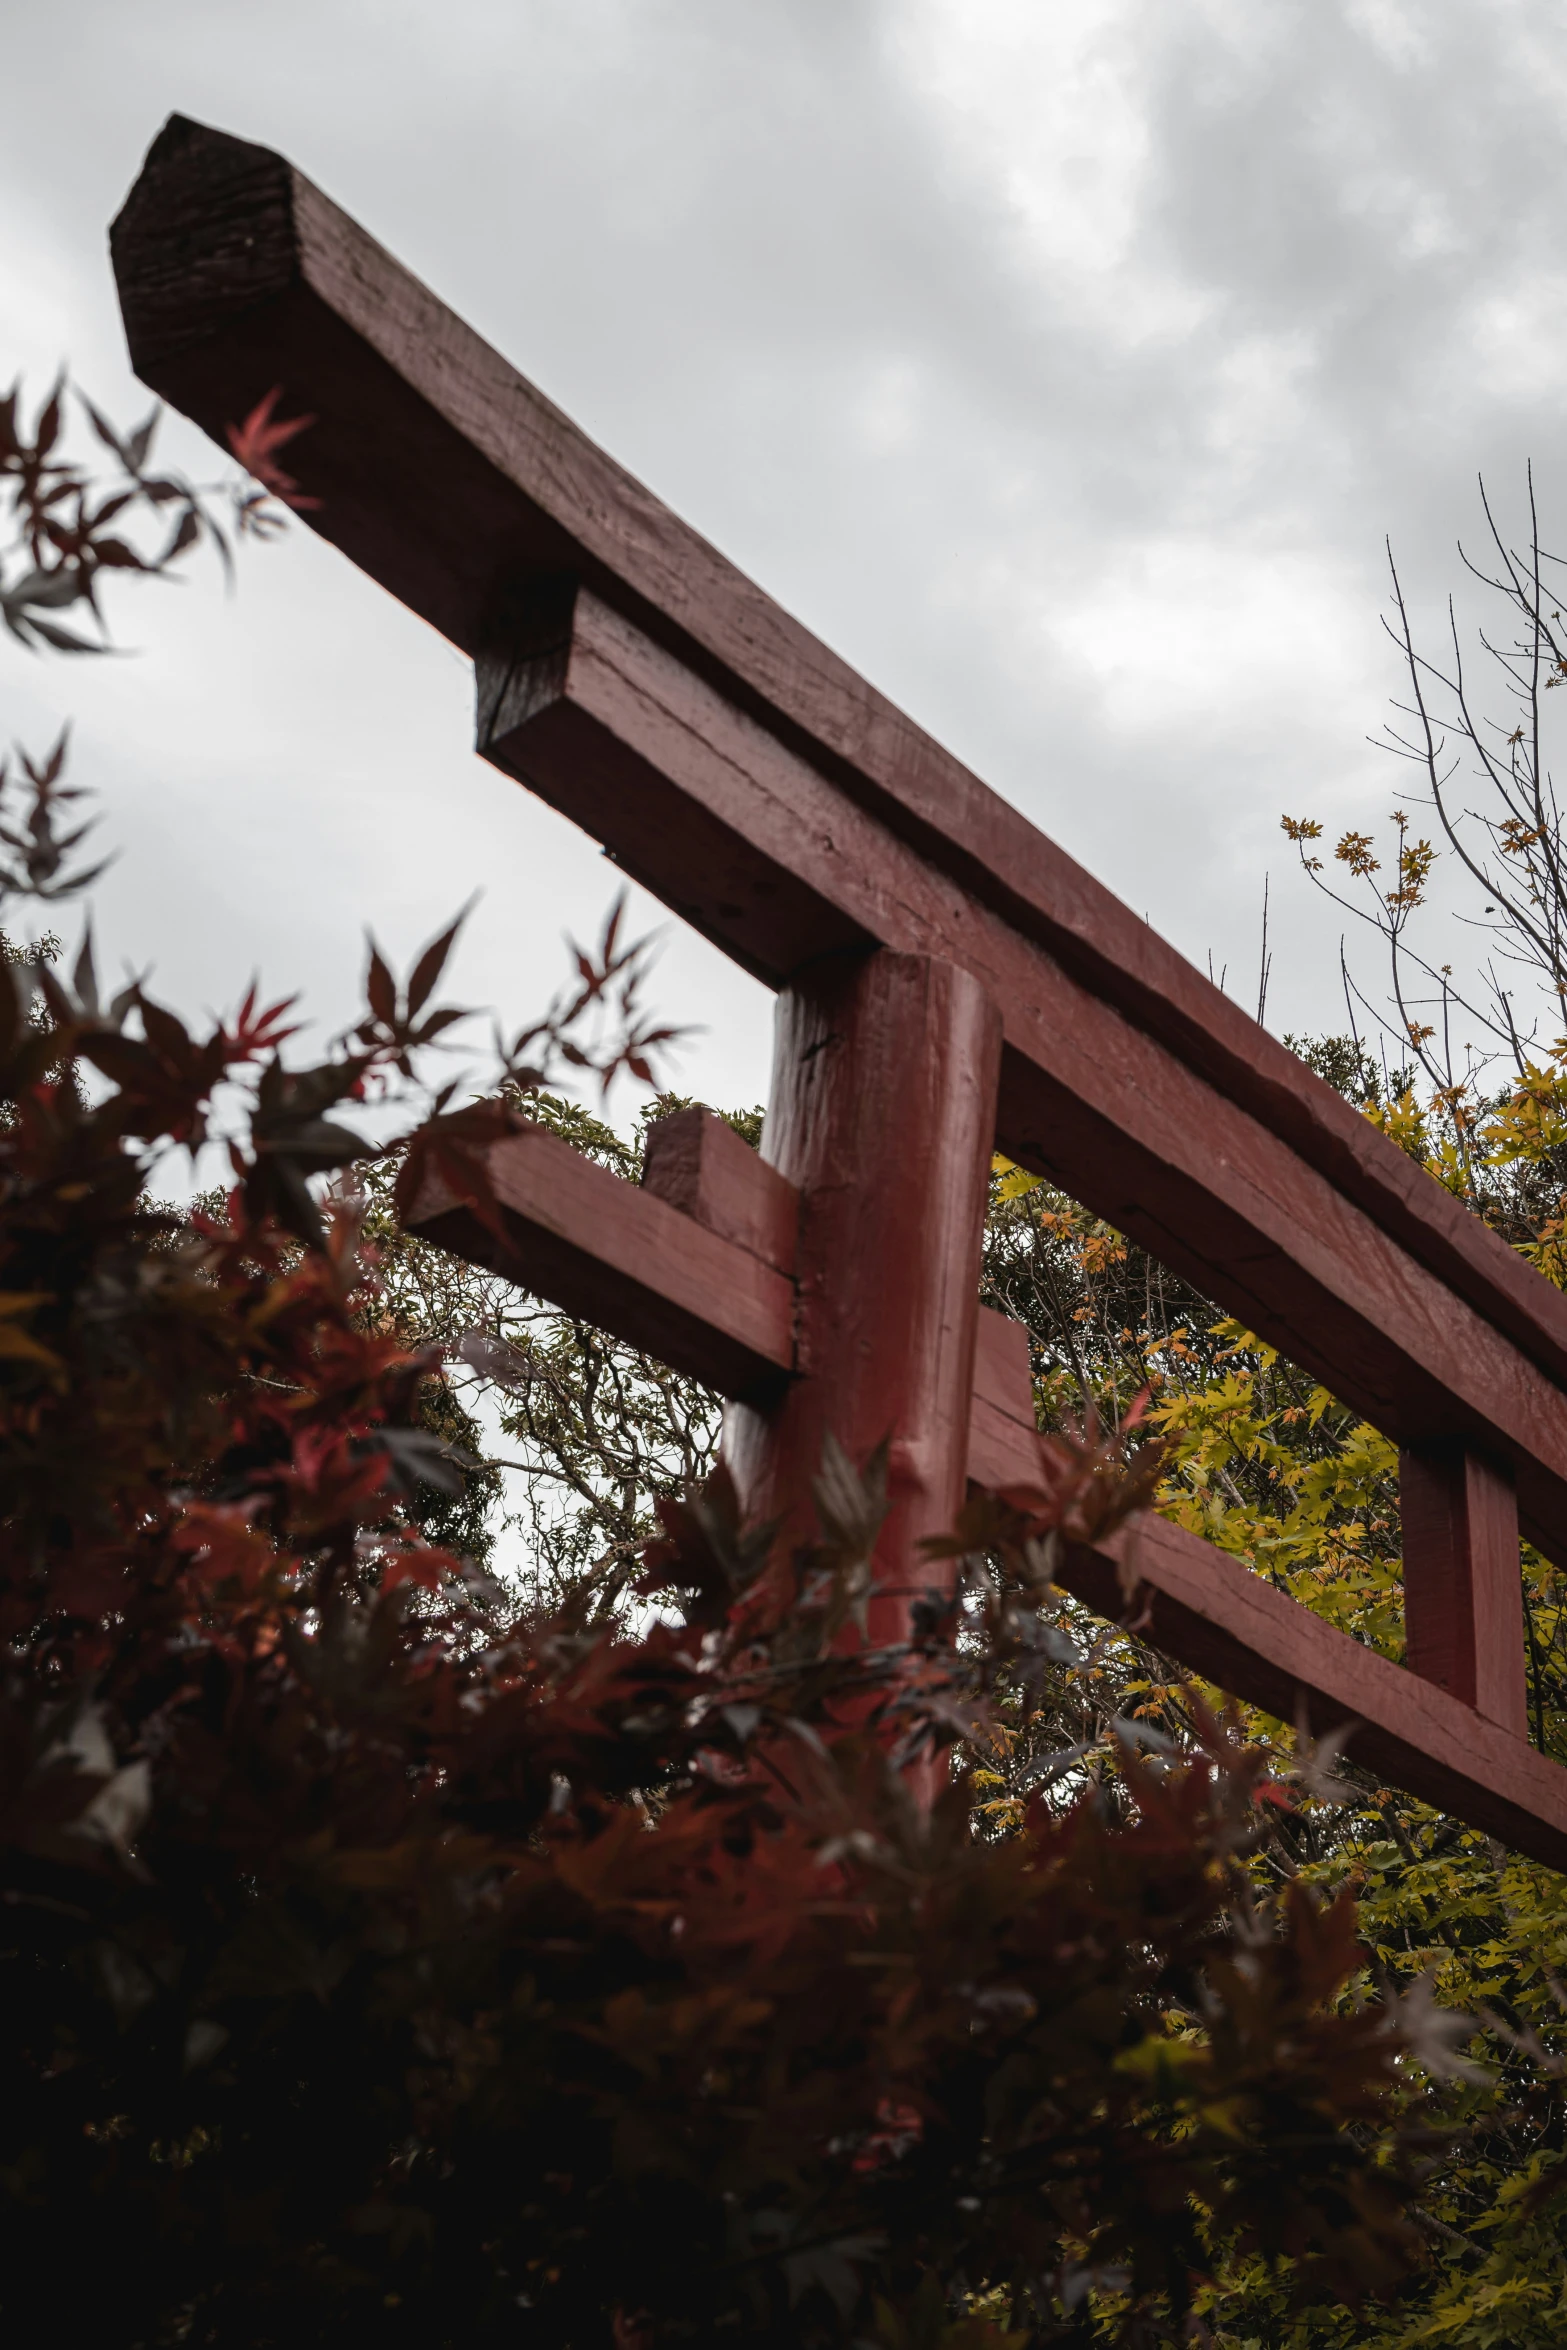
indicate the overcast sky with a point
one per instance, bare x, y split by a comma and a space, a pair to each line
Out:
1063, 363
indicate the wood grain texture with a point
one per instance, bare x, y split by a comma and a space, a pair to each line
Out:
1234, 1628
611, 1254
698, 1164
879, 1116
559, 1211
1463, 1583
765, 853
1003, 1441
453, 481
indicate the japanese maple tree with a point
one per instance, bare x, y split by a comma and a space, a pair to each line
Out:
380, 1963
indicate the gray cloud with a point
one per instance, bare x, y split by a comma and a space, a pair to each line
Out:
1063, 367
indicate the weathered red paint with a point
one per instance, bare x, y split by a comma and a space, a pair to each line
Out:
698, 1164
1231, 1625
624, 1259
880, 1112
1463, 1584
724, 756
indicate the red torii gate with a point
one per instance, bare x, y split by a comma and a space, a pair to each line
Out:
949, 982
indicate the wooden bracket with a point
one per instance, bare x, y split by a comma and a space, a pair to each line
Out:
624, 1259
1003, 1435
1463, 1588
694, 1266
698, 1164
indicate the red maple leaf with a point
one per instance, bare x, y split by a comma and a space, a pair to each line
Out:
255, 441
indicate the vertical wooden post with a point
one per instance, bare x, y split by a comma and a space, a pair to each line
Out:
882, 1114
1463, 1587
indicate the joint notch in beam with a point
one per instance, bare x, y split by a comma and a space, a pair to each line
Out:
621, 1258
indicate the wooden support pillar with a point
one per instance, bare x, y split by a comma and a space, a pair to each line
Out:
1463, 1587
882, 1115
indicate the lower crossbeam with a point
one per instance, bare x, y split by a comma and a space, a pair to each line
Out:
1230, 1625
695, 1267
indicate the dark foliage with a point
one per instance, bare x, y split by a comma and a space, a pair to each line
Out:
378, 1969
369, 1963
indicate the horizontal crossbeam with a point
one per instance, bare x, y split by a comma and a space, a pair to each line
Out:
619, 1257
1229, 1624
693, 1267
783, 806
